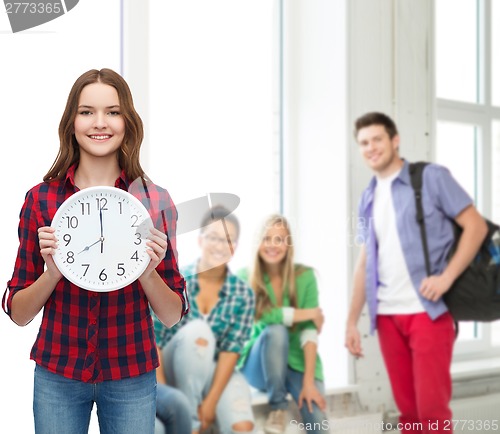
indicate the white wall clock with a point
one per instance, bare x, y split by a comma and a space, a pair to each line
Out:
102, 234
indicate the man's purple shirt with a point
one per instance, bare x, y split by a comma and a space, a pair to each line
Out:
443, 199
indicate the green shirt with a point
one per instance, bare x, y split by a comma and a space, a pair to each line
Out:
307, 297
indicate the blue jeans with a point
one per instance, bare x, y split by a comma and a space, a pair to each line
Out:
190, 367
266, 369
172, 409
62, 405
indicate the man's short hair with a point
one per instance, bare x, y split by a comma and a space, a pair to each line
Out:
376, 118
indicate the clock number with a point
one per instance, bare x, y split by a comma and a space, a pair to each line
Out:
135, 219
120, 205
72, 222
121, 270
103, 276
139, 239
70, 258
101, 203
85, 207
86, 268
135, 256
67, 239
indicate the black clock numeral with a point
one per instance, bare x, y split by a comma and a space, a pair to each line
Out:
67, 239
101, 203
70, 258
135, 219
120, 205
72, 222
135, 256
121, 270
86, 268
138, 240
85, 207
102, 275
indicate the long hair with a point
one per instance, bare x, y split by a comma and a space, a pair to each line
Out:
258, 268
69, 151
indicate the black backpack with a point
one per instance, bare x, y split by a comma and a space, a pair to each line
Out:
475, 294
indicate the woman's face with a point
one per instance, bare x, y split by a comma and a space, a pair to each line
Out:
99, 124
217, 243
274, 245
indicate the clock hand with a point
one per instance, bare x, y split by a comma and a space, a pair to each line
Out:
93, 244
102, 236
100, 219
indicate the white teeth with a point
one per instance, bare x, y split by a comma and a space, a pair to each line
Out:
100, 137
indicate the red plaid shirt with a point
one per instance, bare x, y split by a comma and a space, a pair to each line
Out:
85, 335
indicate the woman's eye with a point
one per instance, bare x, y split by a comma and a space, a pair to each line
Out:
85, 112
114, 113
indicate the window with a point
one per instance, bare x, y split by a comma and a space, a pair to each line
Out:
213, 109
457, 50
467, 50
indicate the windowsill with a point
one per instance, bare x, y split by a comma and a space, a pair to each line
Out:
480, 368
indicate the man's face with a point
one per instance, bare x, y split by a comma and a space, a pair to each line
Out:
377, 148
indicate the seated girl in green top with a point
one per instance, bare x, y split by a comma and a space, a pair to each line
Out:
281, 356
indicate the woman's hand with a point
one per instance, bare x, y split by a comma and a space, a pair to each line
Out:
206, 413
157, 244
48, 246
310, 394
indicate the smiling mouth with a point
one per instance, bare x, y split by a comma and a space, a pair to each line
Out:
100, 136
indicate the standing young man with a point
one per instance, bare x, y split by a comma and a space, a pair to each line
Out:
415, 330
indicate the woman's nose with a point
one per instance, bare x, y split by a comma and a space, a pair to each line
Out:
100, 120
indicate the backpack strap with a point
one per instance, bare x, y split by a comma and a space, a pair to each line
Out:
416, 176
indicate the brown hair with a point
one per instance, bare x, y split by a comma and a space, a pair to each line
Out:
69, 151
289, 271
376, 118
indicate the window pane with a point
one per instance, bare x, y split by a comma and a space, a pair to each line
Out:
456, 149
495, 52
456, 50
212, 108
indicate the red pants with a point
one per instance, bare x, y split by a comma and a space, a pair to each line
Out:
417, 353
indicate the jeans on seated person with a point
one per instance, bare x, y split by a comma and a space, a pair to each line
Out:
190, 365
172, 410
63, 405
266, 369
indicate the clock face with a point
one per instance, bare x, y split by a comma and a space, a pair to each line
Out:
102, 234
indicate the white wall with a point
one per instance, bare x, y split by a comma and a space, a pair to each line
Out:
38, 69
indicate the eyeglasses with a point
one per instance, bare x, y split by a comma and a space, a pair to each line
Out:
214, 240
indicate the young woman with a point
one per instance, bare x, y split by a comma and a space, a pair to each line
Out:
281, 356
200, 353
94, 346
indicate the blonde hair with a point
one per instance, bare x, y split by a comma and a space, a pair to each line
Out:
258, 268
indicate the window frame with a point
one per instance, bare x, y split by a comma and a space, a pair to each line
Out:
481, 115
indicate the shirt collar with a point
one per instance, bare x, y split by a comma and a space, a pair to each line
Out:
404, 175
121, 182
